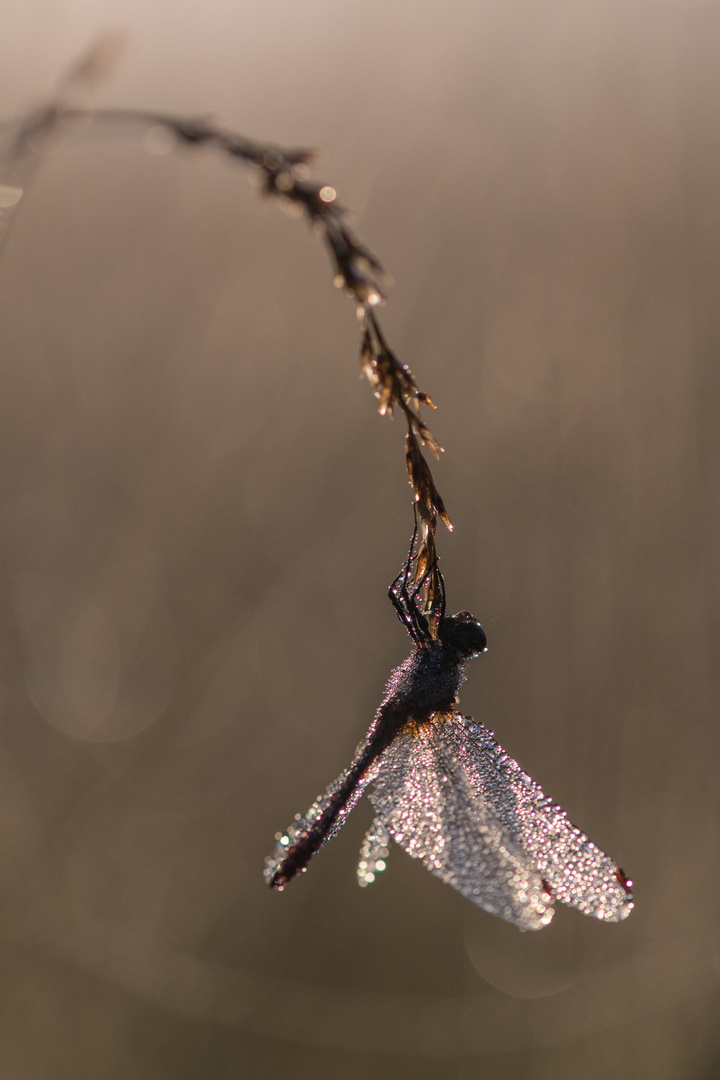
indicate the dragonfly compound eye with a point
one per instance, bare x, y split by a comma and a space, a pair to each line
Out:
464, 633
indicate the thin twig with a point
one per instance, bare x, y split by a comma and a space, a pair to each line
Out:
284, 176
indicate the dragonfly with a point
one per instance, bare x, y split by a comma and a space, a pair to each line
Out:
447, 793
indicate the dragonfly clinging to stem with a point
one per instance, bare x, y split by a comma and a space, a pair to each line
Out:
446, 792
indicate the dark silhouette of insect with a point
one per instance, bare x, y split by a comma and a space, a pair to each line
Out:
446, 792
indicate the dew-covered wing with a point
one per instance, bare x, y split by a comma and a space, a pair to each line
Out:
374, 852
426, 799
578, 872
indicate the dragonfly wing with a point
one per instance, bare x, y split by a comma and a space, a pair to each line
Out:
373, 853
424, 797
578, 872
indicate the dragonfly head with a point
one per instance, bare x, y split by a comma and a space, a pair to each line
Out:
463, 633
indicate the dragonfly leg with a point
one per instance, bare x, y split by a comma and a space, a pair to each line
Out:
404, 593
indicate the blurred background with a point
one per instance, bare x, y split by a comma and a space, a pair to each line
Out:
201, 513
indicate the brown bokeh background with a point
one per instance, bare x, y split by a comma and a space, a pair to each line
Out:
201, 512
